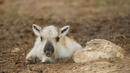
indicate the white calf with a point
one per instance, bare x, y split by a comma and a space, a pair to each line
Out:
52, 43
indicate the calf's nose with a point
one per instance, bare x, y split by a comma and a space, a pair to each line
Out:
49, 49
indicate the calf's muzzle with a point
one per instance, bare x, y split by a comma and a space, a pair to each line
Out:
48, 49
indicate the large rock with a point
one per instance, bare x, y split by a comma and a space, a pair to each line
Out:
98, 49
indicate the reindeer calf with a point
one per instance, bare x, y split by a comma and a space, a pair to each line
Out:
51, 44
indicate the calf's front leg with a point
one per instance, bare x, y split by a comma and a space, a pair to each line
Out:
31, 57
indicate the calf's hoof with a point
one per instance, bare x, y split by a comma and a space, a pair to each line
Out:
30, 60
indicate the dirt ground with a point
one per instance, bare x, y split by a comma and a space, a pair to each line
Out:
89, 19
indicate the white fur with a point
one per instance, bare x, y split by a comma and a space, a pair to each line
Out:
67, 50
63, 34
49, 32
61, 50
35, 31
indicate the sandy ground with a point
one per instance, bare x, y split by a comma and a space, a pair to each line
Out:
89, 19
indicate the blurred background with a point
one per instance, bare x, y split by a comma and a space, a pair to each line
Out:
88, 19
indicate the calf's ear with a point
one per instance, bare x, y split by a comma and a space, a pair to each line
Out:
64, 30
36, 29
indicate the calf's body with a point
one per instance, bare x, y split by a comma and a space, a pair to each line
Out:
60, 45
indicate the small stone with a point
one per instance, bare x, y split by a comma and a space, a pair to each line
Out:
98, 49
15, 50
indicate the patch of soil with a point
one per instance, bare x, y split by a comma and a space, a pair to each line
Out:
89, 19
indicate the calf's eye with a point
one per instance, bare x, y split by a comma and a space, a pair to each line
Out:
57, 39
41, 38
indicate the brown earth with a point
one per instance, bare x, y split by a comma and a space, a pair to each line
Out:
89, 19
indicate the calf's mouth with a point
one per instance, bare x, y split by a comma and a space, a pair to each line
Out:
49, 53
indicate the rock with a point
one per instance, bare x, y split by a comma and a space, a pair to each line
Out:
15, 50
98, 49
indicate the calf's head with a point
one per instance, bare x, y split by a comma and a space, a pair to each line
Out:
48, 37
